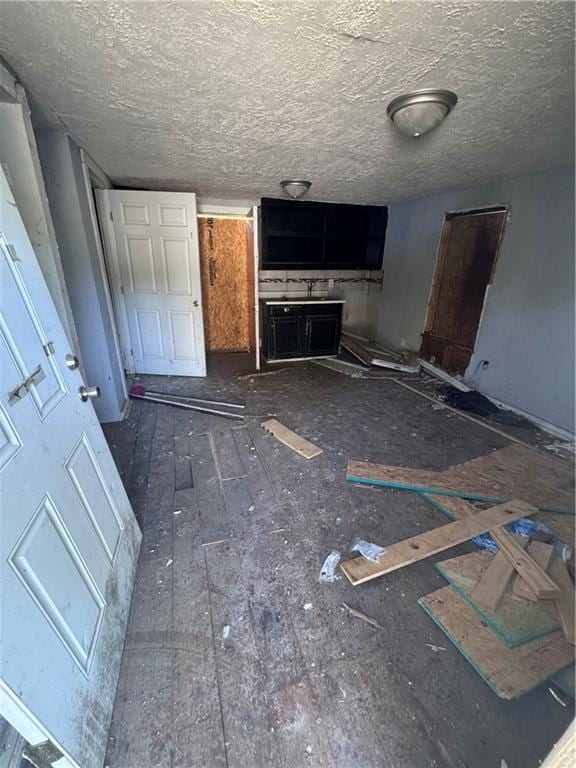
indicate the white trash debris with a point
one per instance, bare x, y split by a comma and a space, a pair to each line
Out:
328, 570
368, 550
307, 606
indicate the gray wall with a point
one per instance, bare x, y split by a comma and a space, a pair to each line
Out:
68, 198
527, 327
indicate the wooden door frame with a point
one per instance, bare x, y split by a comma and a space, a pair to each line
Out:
440, 261
250, 214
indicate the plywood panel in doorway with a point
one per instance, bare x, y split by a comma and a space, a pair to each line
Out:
224, 265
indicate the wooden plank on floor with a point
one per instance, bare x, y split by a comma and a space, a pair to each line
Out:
516, 621
356, 349
510, 672
537, 579
510, 472
494, 582
291, 439
542, 554
565, 601
403, 553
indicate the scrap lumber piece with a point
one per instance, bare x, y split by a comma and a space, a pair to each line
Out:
510, 672
516, 621
511, 472
380, 357
541, 553
402, 553
494, 582
536, 578
356, 349
291, 439
565, 601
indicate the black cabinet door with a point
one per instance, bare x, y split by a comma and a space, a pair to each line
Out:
355, 236
286, 337
292, 234
322, 334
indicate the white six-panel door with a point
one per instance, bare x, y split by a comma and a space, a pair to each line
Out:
157, 276
68, 538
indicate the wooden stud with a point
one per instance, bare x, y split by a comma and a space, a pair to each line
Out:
531, 572
358, 570
494, 582
541, 553
291, 439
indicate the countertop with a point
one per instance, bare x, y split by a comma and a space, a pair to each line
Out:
304, 300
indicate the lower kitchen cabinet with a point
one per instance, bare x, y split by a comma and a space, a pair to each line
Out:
300, 330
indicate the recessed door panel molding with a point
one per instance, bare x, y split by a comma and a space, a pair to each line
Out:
149, 329
182, 335
173, 216
52, 570
177, 265
157, 286
68, 540
141, 264
136, 214
87, 478
26, 339
10, 442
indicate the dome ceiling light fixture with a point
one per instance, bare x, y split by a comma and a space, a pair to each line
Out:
418, 112
295, 187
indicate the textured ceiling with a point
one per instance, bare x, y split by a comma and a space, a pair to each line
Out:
228, 97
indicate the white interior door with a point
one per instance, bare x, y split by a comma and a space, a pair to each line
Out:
158, 280
68, 538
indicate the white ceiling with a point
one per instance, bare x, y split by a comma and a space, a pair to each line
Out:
228, 97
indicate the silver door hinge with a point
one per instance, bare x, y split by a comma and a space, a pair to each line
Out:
132, 352
22, 389
48, 348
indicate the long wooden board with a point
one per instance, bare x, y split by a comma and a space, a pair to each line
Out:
358, 570
511, 472
542, 554
536, 578
291, 439
510, 672
356, 349
516, 621
494, 582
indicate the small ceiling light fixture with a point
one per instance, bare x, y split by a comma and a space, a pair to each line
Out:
295, 187
418, 112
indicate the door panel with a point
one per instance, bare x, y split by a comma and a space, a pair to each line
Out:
287, 337
68, 538
322, 334
156, 246
468, 248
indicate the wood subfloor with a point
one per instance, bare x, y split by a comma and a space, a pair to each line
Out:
236, 656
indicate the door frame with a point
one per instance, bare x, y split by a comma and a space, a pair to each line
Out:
440, 261
94, 180
117, 298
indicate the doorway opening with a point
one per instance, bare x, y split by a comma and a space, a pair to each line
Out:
467, 254
227, 282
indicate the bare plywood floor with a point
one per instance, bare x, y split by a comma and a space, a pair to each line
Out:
235, 655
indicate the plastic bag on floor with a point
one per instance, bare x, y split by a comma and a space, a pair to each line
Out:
522, 527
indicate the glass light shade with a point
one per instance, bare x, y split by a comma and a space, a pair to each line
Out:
295, 188
417, 119
418, 112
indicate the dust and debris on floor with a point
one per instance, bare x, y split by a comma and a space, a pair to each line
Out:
236, 653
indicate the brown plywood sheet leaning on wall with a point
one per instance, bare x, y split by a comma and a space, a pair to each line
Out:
224, 271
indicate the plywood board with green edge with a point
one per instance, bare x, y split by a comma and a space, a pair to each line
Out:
516, 620
510, 472
510, 672
408, 551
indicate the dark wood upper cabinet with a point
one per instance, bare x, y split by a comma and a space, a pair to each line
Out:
305, 235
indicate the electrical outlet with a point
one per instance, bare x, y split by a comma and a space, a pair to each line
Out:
330, 284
